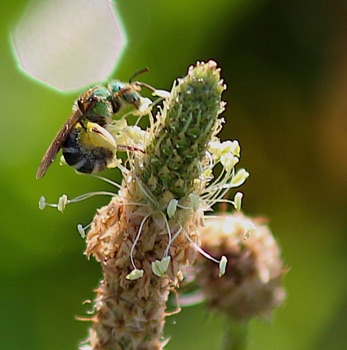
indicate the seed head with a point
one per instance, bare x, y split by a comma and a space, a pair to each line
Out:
252, 284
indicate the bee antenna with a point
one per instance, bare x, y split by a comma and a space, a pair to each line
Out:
149, 87
139, 83
138, 72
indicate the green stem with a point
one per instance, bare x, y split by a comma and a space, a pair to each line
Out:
235, 335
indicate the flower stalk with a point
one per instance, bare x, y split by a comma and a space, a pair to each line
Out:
252, 286
149, 231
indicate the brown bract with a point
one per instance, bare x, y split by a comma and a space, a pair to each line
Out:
252, 285
130, 314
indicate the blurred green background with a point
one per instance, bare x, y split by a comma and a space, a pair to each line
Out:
285, 64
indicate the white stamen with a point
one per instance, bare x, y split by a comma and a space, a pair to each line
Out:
222, 266
172, 208
81, 231
238, 200
134, 274
161, 93
42, 203
159, 267
136, 240
63, 201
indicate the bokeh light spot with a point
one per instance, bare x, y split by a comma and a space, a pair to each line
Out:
69, 44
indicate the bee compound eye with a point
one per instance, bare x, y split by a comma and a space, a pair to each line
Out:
116, 86
131, 97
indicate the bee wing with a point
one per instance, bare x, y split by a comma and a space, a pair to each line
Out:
58, 142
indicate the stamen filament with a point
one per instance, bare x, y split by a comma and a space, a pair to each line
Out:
136, 240
115, 184
166, 253
200, 250
89, 195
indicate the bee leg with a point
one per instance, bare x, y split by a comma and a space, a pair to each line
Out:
84, 124
89, 148
129, 148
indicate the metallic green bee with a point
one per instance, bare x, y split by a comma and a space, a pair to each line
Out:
86, 144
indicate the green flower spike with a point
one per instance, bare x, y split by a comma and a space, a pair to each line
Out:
177, 154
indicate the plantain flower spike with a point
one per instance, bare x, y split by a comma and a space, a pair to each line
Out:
252, 285
150, 229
